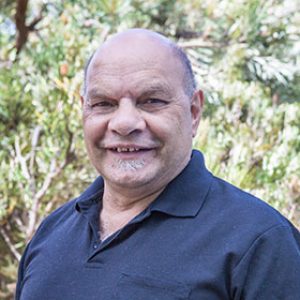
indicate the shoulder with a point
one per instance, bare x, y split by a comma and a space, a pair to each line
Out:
240, 220
62, 212
244, 208
65, 215
59, 216
248, 228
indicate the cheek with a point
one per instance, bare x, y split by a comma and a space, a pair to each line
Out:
169, 130
94, 129
176, 124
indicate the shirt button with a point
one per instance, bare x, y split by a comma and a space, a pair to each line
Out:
95, 246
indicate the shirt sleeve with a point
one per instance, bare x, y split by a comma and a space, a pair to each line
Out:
21, 274
270, 269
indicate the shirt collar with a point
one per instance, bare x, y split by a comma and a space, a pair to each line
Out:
183, 196
91, 196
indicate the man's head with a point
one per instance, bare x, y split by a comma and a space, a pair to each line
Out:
140, 110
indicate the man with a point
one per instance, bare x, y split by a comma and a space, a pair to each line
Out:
156, 224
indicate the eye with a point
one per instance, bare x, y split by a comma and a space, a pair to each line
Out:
153, 103
101, 105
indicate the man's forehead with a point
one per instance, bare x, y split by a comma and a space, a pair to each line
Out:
134, 46
122, 66
138, 88
135, 51
137, 48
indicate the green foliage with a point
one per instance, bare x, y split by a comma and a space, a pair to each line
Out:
245, 55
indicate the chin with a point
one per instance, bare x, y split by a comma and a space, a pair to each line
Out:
130, 183
131, 178
129, 166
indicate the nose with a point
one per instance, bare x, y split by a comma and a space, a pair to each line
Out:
126, 119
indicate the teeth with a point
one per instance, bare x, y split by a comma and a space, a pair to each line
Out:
122, 149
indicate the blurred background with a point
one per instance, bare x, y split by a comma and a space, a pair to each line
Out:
246, 57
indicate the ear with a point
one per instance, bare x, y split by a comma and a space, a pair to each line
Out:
196, 109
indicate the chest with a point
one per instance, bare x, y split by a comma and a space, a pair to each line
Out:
148, 260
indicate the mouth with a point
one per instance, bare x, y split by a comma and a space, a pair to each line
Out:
128, 149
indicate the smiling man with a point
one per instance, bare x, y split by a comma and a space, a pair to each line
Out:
156, 224
134, 116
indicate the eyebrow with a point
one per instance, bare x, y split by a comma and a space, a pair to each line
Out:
96, 93
146, 91
155, 88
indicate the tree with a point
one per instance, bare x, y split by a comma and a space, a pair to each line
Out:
245, 55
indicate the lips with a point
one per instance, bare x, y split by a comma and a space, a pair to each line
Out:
128, 149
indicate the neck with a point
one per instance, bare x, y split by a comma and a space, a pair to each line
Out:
119, 208
119, 201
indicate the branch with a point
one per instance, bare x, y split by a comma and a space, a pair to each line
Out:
68, 158
21, 159
49, 206
32, 214
53, 172
198, 44
10, 244
23, 29
188, 34
34, 142
19, 223
31, 26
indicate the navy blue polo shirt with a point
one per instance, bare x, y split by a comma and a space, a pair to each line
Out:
202, 238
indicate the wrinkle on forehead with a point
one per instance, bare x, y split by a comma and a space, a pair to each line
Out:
134, 51
117, 88
141, 37
119, 68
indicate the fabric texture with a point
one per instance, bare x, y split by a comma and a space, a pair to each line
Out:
202, 238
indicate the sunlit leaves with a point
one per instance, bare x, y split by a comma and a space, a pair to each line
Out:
246, 57
269, 68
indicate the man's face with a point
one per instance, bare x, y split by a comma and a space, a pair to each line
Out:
138, 121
